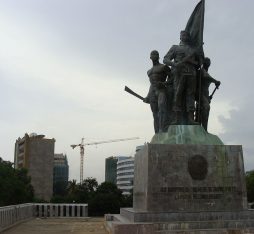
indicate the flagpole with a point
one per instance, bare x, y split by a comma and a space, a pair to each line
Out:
199, 95
201, 65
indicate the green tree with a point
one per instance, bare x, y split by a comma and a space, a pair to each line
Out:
82, 194
15, 185
90, 184
107, 199
127, 200
72, 191
102, 199
87, 189
72, 187
60, 192
250, 185
60, 188
75, 192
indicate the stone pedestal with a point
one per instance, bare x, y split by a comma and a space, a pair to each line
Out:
190, 178
184, 185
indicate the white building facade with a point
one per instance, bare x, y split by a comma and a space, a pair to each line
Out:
125, 174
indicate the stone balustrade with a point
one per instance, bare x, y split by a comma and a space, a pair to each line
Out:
60, 210
11, 215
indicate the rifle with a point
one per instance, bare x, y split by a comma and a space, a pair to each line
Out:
211, 96
133, 93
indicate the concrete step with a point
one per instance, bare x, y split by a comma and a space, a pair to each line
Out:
215, 224
118, 224
114, 219
163, 217
121, 219
209, 231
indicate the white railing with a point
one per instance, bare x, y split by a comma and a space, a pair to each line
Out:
11, 215
60, 210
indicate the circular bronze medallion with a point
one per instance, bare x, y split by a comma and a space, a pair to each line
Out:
197, 167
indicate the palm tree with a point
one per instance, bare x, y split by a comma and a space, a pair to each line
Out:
90, 184
72, 187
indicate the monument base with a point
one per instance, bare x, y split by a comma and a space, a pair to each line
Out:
131, 222
190, 178
186, 182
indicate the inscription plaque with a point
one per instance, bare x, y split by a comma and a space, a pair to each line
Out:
197, 167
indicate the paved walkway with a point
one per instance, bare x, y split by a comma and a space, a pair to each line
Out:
60, 226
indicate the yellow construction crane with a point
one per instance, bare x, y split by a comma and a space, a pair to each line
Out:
82, 150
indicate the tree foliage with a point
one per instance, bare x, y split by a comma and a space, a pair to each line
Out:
107, 199
76, 192
250, 185
60, 188
90, 184
101, 199
15, 185
16, 188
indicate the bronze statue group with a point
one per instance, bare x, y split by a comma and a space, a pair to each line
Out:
179, 88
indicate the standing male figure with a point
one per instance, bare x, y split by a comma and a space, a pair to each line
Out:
205, 99
157, 95
183, 59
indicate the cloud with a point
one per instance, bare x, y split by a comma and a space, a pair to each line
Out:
64, 64
238, 129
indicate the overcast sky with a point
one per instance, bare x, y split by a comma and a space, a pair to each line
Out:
64, 65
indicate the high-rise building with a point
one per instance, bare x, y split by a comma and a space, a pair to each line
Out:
120, 171
111, 167
61, 169
125, 174
36, 153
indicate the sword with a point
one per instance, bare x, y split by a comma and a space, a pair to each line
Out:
133, 93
